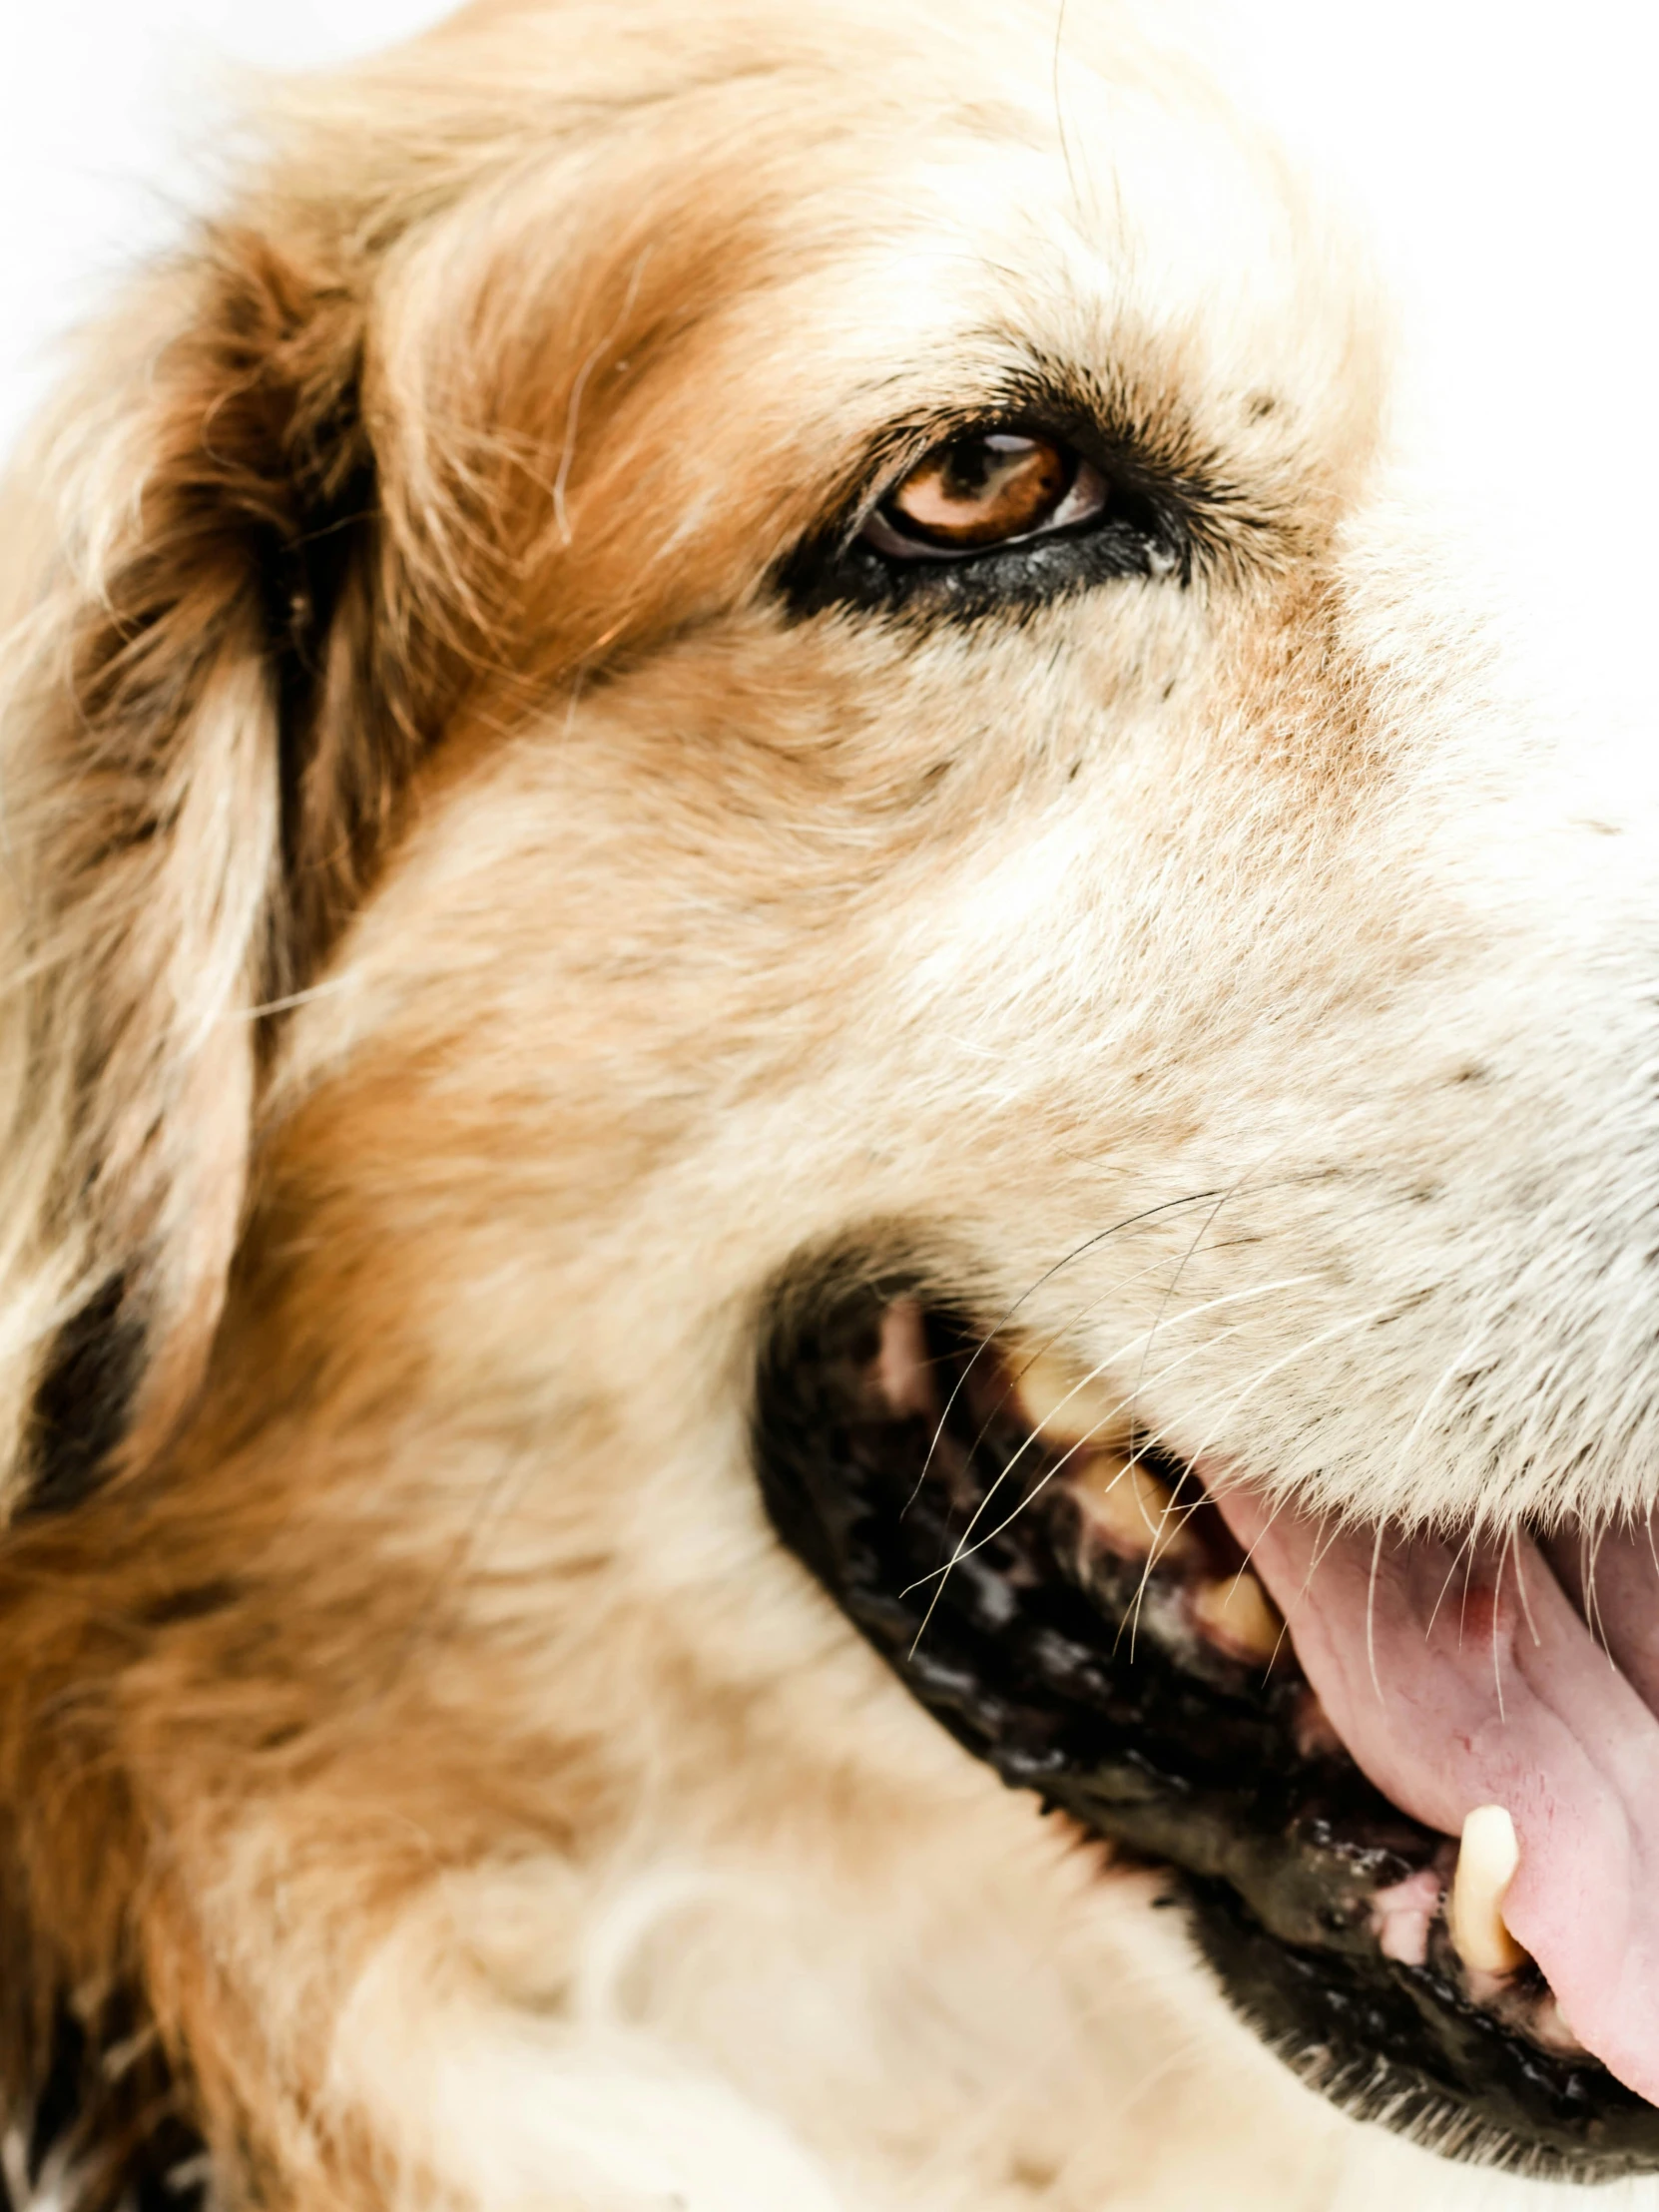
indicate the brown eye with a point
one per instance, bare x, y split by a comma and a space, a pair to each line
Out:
982, 490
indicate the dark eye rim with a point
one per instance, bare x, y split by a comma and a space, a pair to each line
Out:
1153, 528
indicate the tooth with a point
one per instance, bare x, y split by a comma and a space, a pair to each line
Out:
1486, 1862
905, 1372
1065, 1409
1129, 1509
1401, 1915
1239, 1615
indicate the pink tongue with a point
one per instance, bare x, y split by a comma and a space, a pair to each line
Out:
1455, 1685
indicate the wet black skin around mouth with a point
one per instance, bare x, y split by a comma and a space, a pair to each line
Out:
1052, 1671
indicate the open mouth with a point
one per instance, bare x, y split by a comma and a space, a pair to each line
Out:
1080, 1612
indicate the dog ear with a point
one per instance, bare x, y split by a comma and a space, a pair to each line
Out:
206, 724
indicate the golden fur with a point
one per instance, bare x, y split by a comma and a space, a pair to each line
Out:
469, 937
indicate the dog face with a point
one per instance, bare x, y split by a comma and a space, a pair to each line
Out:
715, 700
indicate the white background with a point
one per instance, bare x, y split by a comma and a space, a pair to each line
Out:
1508, 153
106, 134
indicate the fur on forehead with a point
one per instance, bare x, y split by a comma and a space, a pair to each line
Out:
551, 342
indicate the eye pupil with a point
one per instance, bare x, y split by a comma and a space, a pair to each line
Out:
983, 488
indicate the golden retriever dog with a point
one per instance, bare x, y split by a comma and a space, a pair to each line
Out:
829, 1294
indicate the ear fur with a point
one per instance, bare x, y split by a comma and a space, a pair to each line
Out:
202, 765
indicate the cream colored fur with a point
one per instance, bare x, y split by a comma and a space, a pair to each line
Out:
532, 1836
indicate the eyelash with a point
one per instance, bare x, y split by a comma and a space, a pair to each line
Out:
1144, 531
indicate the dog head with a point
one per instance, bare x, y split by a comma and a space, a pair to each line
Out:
741, 809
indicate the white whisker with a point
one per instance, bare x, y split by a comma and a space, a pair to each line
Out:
990, 1336
967, 1548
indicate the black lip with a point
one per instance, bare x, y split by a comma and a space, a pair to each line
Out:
1279, 1850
